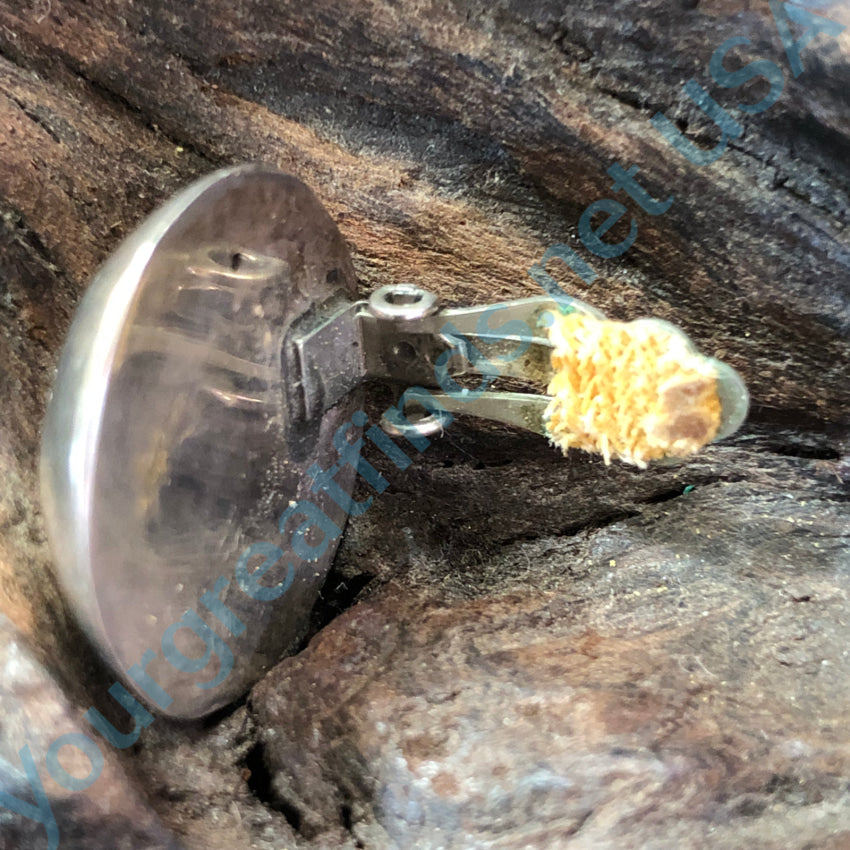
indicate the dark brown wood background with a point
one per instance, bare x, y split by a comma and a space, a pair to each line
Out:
514, 647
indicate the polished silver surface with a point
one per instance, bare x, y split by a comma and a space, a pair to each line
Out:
177, 434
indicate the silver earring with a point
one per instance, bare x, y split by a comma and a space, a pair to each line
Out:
205, 430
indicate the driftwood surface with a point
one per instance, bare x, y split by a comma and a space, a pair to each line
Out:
514, 649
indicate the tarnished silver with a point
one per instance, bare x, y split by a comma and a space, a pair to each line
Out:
213, 366
175, 436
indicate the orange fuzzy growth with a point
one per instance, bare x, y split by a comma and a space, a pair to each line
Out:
636, 391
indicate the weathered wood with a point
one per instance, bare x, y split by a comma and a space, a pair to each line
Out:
454, 142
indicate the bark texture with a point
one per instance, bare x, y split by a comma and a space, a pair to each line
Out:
515, 649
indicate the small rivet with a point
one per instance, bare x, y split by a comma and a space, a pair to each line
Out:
403, 301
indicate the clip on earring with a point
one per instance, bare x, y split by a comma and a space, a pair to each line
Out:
210, 380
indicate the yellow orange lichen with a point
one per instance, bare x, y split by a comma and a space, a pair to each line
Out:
636, 391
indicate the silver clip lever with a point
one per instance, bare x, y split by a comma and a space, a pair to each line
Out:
402, 335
